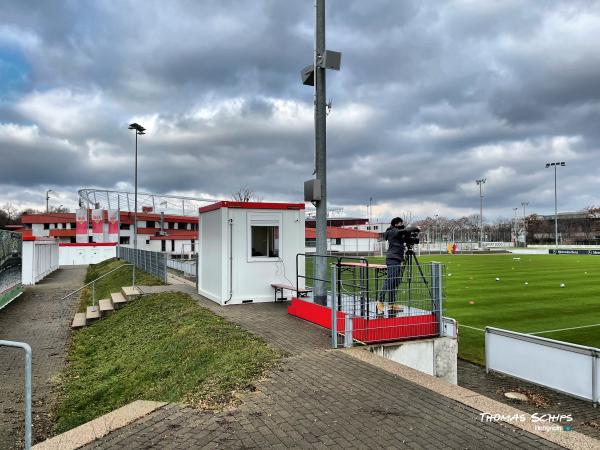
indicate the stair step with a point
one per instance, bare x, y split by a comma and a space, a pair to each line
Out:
92, 313
78, 321
130, 292
106, 306
118, 299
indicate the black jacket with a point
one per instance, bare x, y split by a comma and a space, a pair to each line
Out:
395, 238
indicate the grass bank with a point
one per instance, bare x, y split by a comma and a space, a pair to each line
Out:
112, 282
162, 347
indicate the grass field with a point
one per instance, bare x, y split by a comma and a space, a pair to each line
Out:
540, 305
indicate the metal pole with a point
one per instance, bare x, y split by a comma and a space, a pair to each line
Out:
135, 213
480, 217
320, 154
27, 349
48, 199
524, 204
334, 343
555, 211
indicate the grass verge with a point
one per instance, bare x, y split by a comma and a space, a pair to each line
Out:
113, 282
162, 347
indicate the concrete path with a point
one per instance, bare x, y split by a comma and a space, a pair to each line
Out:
39, 318
317, 398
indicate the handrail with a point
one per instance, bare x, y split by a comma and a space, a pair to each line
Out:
93, 283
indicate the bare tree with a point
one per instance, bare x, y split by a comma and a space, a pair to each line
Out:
245, 194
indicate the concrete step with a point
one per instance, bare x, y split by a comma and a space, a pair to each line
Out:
130, 292
118, 299
78, 321
106, 306
92, 313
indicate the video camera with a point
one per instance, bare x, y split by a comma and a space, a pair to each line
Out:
410, 235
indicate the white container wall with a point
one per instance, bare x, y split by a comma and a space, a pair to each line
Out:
244, 247
40, 258
81, 254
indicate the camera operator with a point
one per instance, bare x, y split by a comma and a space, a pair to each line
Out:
395, 236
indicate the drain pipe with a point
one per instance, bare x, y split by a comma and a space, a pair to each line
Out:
230, 221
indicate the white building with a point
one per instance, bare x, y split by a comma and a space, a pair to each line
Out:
245, 247
345, 240
175, 235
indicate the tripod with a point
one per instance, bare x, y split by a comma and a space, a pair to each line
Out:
410, 261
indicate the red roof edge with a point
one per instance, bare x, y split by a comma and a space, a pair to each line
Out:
251, 205
87, 244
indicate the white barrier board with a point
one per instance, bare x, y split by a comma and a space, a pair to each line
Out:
561, 366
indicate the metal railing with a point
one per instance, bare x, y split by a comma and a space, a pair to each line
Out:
374, 303
154, 263
10, 266
187, 267
27, 399
93, 284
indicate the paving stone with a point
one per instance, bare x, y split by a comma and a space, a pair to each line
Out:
319, 398
40, 318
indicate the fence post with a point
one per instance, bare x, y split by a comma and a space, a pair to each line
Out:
437, 294
485, 349
348, 340
27, 349
595, 396
94, 293
334, 340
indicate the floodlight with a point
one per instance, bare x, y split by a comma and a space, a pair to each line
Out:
330, 60
136, 126
308, 75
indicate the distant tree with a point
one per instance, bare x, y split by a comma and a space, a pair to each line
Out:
9, 215
59, 209
245, 194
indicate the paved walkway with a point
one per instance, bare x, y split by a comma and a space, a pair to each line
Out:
41, 320
586, 418
317, 398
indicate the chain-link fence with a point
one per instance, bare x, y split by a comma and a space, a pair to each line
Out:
154, 263
10, 266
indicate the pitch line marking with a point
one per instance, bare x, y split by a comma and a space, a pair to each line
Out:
566, 329
472, 328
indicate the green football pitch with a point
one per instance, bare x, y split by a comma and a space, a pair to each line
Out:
527, 298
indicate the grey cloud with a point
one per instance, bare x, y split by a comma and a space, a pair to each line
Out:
438, 81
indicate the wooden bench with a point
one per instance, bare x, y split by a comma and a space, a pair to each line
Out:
279, 288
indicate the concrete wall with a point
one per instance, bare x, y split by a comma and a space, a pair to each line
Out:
40, 258
437, 357
74, 255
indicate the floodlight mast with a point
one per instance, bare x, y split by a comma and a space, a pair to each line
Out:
480, 182
555, 165
524, 204
320, 154
139, 130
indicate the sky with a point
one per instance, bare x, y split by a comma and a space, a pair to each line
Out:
430, 96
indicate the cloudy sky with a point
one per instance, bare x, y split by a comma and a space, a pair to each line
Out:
431, 96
